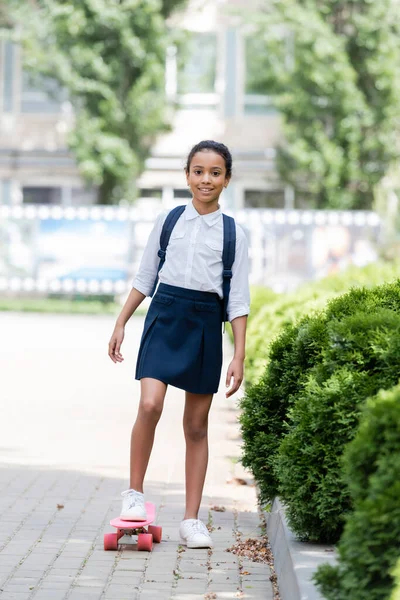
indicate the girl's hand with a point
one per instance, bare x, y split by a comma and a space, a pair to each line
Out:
235, 370
114, 345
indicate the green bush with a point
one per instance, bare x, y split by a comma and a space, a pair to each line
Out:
270, 321
369, 547
307, 464
301, 360
360, 358
262, 421
267, 321
260, 297
265, 405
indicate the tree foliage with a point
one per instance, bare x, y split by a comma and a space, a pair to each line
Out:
332, 68
110, 57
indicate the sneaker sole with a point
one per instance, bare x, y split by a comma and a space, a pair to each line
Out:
196, 544
130, 518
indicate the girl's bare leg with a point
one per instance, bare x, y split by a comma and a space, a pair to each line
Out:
142, 438
195, 426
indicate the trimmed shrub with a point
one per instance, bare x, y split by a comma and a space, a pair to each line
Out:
361, 357
265, 406
260, 297
369, 547
318, 346
307, 465
267, 321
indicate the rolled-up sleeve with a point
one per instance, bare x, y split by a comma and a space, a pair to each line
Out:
239, 297
146, 275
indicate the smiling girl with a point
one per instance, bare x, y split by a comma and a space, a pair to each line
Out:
181, 343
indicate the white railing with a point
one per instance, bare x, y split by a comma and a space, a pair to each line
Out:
97, 249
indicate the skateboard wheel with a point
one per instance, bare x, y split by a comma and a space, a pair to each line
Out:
110, 541
145, 542
156, 532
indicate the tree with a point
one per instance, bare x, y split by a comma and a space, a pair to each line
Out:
332, 67
109, 55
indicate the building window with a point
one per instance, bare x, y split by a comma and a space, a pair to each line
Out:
264, 199
41, 94
196, 76
150, 193
256, 101
41, 195
182, 194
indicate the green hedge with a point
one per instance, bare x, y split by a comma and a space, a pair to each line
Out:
369, 547
260, 296
269, 315
298, 418
264, 406
361, 357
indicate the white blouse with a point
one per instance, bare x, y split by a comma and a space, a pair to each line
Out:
194, 259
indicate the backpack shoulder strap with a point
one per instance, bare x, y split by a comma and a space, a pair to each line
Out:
228, 258
169, 224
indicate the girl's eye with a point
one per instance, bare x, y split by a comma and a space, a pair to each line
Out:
197, 172
216, 173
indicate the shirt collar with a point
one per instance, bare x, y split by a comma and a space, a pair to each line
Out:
210, 219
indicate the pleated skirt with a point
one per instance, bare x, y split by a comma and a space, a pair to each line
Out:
181, 343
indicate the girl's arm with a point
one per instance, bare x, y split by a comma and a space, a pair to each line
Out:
238, 309
142, 287
236, 368
134, 300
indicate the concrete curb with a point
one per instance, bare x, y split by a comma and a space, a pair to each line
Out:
295, 562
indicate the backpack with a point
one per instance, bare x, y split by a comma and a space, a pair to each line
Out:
228, 253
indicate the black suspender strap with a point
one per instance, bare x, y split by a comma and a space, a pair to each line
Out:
228, 257
168, 226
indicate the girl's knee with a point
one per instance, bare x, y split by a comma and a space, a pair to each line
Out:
150, 408
195, 432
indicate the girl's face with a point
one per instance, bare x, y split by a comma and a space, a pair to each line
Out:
207, 176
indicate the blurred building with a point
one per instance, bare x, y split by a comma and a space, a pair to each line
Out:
217, 97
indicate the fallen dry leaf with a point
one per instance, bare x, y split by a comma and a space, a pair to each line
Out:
218, 508
255, 550
237, 481
59, 506
210, 596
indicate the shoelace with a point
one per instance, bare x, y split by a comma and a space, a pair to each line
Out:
198, 527
134, 497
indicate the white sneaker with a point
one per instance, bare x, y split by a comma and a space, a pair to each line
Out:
133, 508
195, 534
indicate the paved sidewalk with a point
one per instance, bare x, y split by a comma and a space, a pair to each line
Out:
66, 417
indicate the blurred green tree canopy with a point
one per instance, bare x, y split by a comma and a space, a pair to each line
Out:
333, 69
110, 57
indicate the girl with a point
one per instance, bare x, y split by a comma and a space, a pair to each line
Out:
181, 343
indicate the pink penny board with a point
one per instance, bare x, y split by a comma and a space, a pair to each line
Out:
146, 537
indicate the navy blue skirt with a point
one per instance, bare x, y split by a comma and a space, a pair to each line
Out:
181, 343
